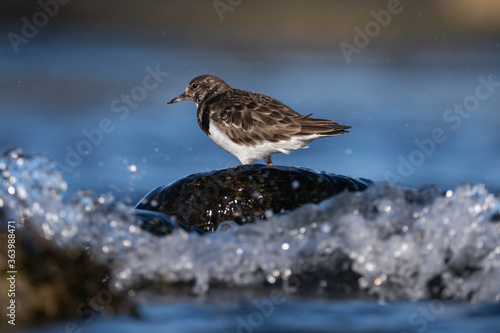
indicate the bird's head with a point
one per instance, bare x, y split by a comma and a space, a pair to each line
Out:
202, 87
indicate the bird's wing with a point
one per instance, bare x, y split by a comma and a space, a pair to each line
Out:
250, 118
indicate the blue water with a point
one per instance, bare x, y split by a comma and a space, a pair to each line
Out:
66, 82
301, 315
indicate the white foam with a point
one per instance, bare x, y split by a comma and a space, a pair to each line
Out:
397, 240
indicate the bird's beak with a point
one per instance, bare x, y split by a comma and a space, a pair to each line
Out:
180, 98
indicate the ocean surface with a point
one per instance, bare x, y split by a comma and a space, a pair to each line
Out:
89, 112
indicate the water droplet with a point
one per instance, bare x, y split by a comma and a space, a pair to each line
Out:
477, 208
326, 228
22, 193
256, 194
125, 273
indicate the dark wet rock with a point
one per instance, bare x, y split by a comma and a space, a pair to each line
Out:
54, 283
161, 224
244, 193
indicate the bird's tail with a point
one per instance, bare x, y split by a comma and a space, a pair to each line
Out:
311, 126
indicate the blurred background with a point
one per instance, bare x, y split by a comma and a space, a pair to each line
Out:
86, 82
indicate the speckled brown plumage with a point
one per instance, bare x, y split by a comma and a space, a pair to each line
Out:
250, 119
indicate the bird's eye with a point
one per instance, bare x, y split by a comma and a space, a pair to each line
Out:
194, 86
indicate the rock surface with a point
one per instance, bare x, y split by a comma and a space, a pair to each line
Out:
160, 224
242, 194
54, 283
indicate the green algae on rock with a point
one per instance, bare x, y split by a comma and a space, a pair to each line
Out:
244, 193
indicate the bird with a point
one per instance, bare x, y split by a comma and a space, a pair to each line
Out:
249, 125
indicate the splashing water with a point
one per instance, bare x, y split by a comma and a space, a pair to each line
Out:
398, 243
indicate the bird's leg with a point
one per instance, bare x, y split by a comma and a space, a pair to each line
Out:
267, 159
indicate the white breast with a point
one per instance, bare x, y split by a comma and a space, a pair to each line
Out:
250, 154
